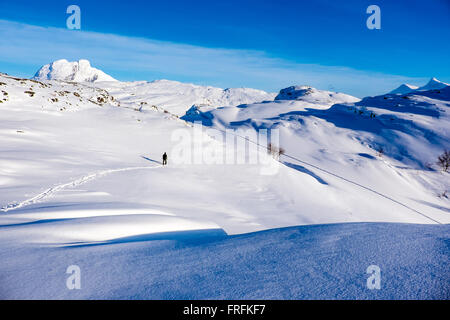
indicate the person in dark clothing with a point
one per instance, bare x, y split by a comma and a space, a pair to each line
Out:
164, 159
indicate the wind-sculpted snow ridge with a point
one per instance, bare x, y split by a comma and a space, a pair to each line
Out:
303, 262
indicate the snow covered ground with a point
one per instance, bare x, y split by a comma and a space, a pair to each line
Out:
81, 183
305, 262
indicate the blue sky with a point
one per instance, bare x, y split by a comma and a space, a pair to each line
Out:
261, 44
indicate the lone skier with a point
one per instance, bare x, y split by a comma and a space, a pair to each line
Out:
164, 159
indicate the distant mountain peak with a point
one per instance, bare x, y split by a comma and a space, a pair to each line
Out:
294, 92
404, 88
77, 71
433, 84
308, 93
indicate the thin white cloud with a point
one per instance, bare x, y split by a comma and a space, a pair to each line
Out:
121, 56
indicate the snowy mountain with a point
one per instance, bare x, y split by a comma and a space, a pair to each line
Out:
177, 97
382, 142
312, 95
293, 98
404, 88
433, 84
78, 71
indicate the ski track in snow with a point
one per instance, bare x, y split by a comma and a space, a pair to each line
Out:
73, 183
96, 175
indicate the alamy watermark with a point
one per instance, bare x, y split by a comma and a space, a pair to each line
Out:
374, 281
374, 20
209, 146
73, 22
74, 280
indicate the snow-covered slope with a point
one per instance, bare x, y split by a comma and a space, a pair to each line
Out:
388, 144
404, 88
80, 168
91, 136
177, 97
306, 262
293, 98
78, 71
